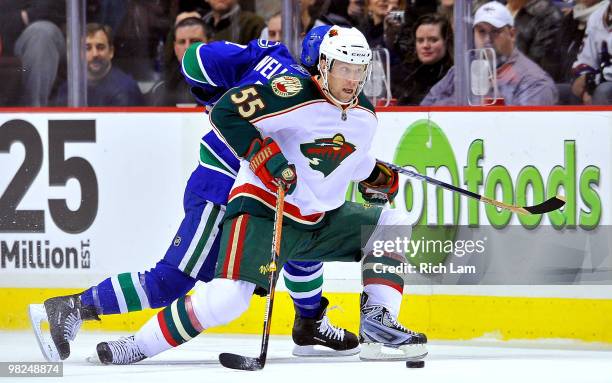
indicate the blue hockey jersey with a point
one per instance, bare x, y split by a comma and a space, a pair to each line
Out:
211, 70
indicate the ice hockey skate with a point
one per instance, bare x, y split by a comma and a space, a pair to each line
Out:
382, 337
122, 351
319, 337
65, 315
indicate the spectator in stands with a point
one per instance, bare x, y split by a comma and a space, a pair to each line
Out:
572, 32
345, 13
106, 84
107, 12
139, 40
356, 12
520, 81
374, 25
401, 43
433, 42
30, 30
314, 13
537, 24
188, 6
172, 90
311, 13
593, 68
446, 8
182, 16
226, 21
273, 31
334, 12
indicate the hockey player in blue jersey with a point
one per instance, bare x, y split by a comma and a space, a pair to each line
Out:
211, 70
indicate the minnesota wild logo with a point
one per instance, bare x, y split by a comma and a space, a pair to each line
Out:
326, 154
286, 86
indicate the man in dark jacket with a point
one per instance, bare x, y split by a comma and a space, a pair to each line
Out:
173, 90
228, 22
106, 85
538, 23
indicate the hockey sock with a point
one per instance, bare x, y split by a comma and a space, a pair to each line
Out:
127, 292
117, 294
381, 271
380, 278
174, 325
304, 280
212, 304
384, 270
385, 296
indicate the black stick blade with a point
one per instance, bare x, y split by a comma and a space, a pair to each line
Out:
551, 204
239, 362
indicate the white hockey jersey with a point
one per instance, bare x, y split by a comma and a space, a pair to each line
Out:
597, 32
327, 151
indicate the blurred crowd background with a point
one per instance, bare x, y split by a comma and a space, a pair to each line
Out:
544, 52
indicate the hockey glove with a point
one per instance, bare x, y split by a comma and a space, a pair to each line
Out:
380, 193
270, 165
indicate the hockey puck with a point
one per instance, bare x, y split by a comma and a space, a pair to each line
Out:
415, 364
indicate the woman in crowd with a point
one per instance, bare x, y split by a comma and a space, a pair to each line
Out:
412, 79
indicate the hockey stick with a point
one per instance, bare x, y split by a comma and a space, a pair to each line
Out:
550, 204
239, 362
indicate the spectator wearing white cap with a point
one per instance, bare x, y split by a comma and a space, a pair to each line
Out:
520, 81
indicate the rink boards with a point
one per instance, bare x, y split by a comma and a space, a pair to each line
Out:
102, 194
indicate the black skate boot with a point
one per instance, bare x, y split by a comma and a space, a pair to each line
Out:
122, 351
65, 315
310, 332
382, 337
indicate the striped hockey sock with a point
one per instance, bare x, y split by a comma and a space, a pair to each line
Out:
171, 327
374, 271
119, 294
304, 280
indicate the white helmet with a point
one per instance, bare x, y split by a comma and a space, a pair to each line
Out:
348, 45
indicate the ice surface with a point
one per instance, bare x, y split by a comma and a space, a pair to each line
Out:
196, 361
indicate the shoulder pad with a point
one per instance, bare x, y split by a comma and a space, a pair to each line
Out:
193, 68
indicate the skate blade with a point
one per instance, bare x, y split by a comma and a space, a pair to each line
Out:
380, 352
37, 314
322, 351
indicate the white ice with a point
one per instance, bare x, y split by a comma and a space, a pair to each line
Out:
196, 361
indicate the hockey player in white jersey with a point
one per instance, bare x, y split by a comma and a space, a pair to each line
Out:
313, 135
